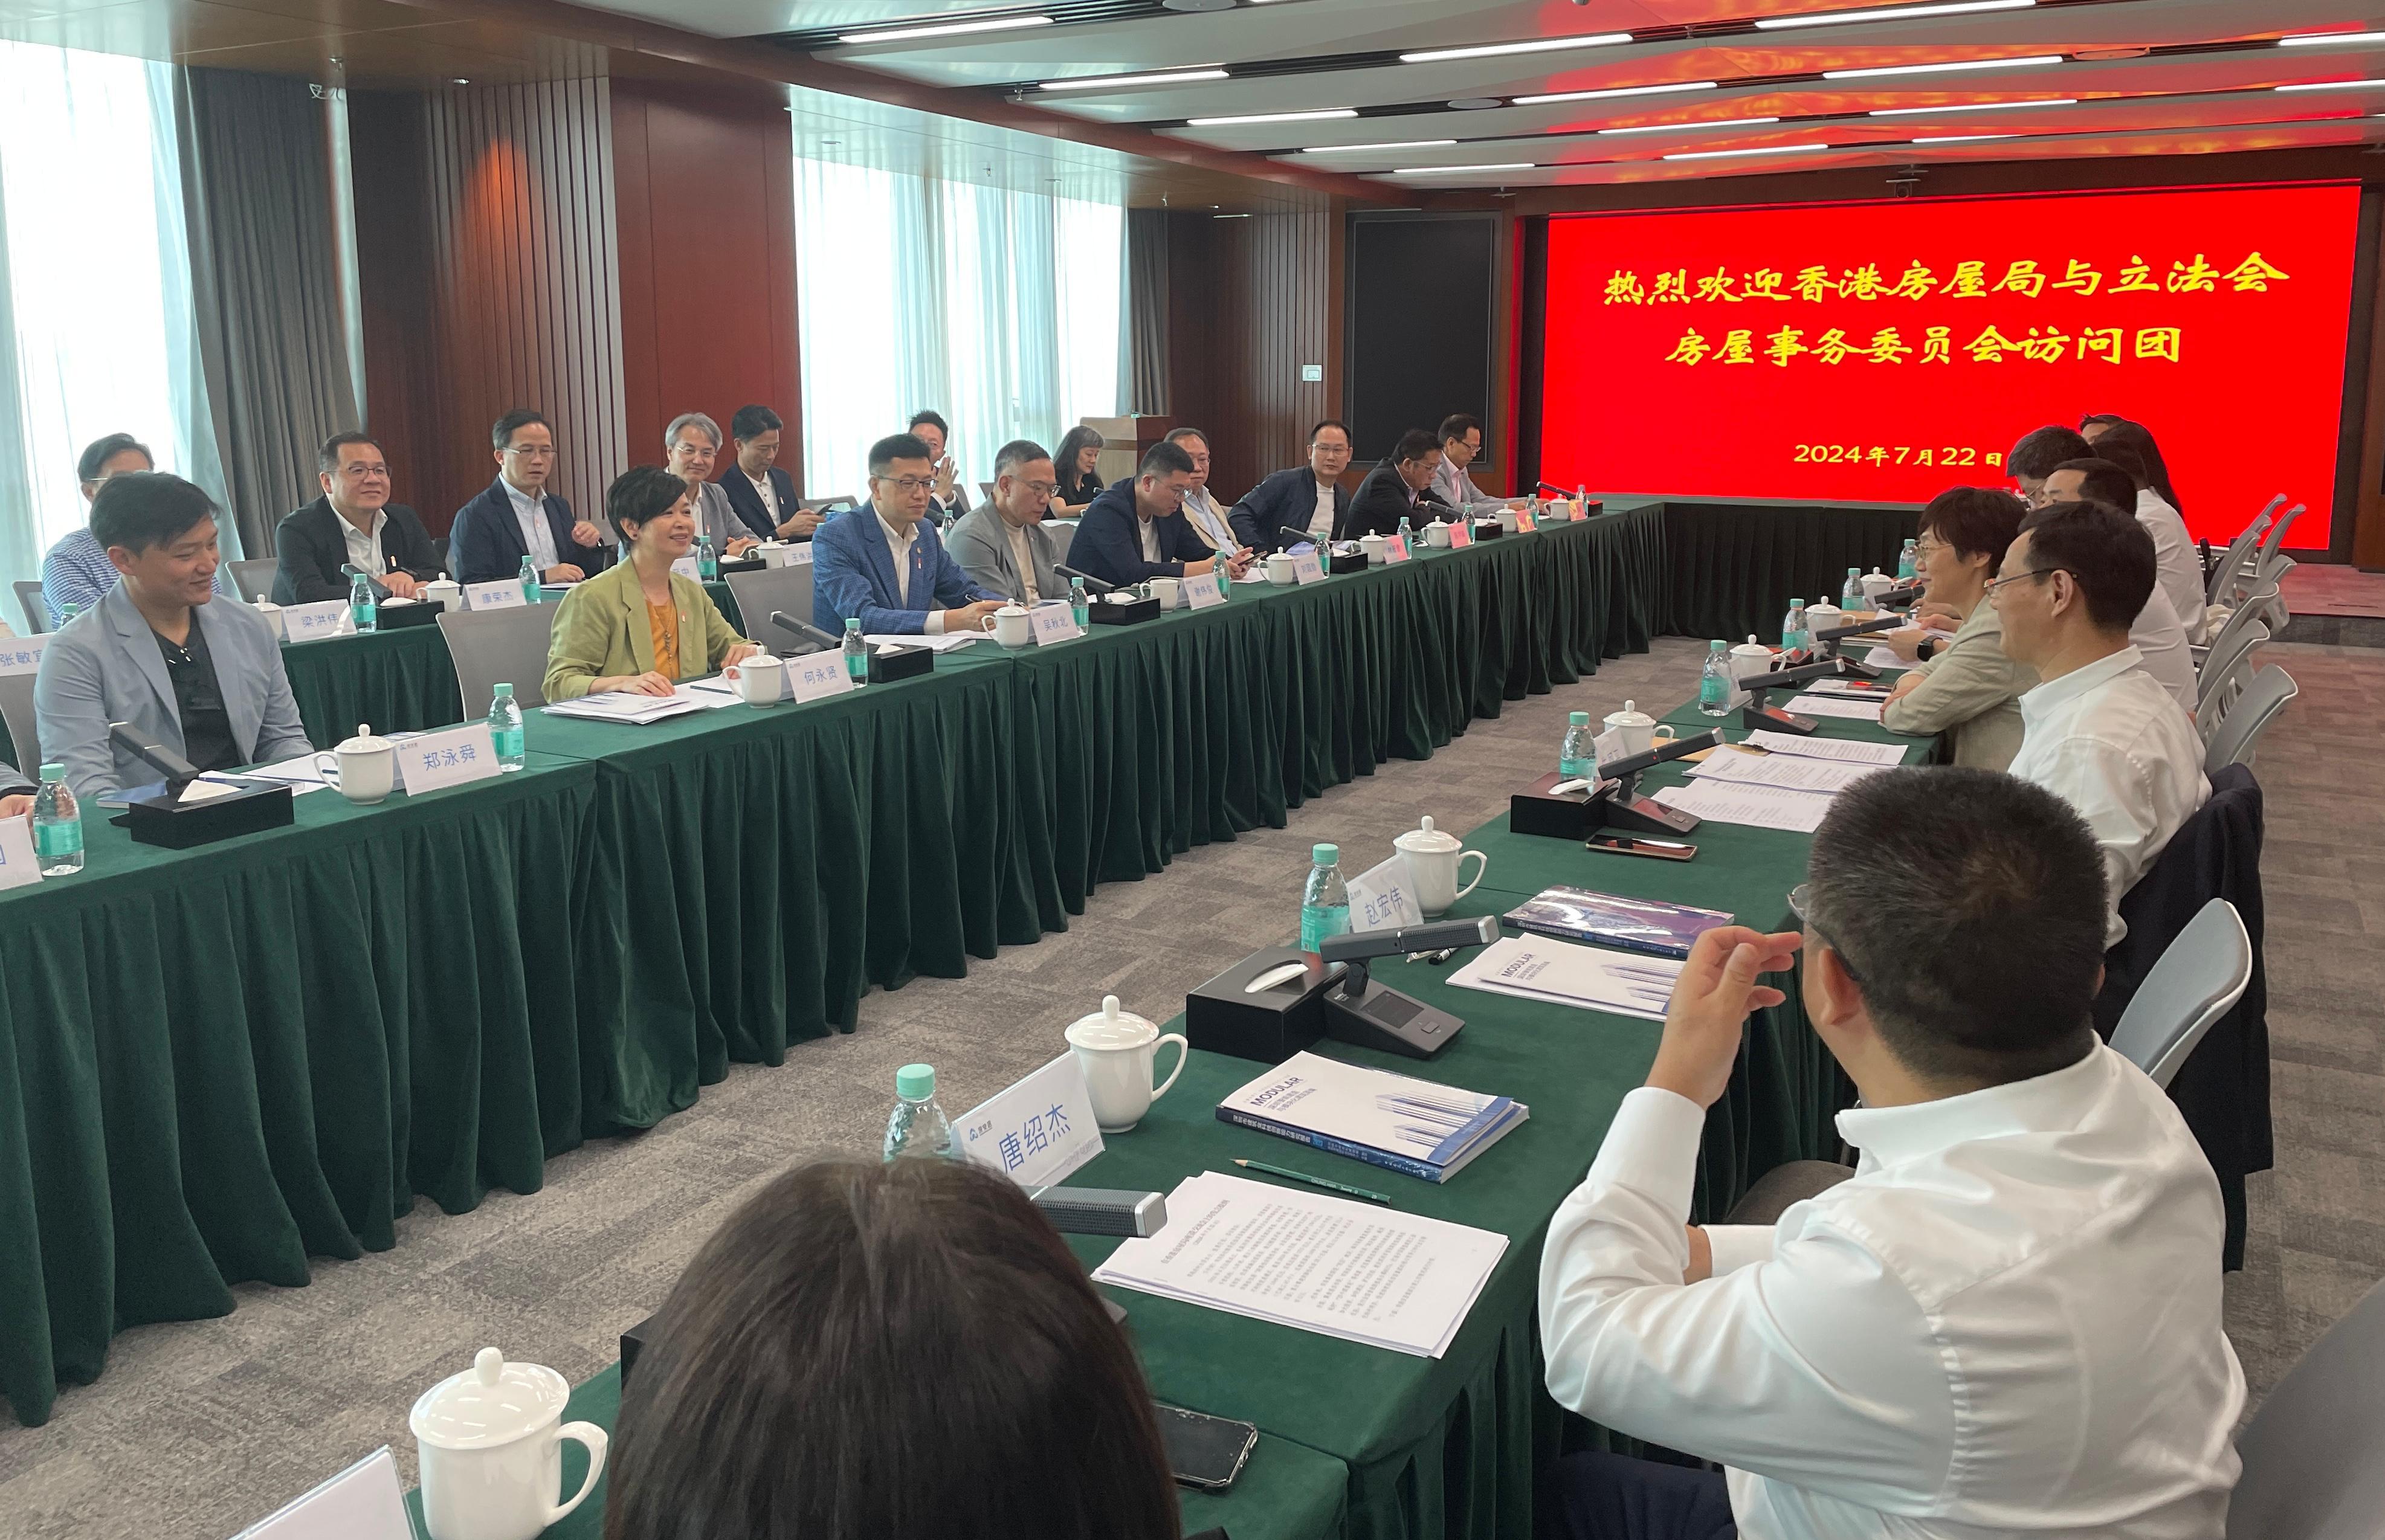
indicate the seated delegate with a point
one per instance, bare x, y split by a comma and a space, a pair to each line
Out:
1399, 488
2179, 568
764, 495
1081, 448
1309, 498
517, 517
640, 627
1003, 545
2157, 633
354, 524
1201, 509
947, 499
75, 571
2007, 1320
883, 564
690, 444
1461, 445
1963, 686
869, 1351
202, 679
2102, 733
1135, 532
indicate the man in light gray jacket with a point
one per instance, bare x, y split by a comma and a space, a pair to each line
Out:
212, 690
1963, 686
1003, 546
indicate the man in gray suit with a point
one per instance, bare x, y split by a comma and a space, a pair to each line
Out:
692, 442
213, 690
1003, 546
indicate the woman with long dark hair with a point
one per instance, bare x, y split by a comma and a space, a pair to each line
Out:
1074, 461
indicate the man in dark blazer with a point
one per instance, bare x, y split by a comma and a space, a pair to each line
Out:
762, 495
353, 524
1132, 532
1308, 497
1399, 488
517, 517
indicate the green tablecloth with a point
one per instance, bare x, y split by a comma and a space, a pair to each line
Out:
1284, 1493
398, 681
1733, 564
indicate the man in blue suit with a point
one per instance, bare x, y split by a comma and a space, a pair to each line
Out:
1307, 497
883, 564
760, 493
1135, 530
517, 517
201, 678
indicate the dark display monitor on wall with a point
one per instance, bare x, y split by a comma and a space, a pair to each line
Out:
1882, 351
1421, 324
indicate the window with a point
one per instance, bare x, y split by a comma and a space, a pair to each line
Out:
96, 332
999, 309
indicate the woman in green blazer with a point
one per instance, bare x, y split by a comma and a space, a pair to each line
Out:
640, 627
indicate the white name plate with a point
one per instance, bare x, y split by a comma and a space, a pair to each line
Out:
315, 622
1381, 898
19, 865
453, 757
1039, 1130
362, 1502
503, 594
818, 675
22, 655
1307, 569
1202, 591
688, 568
1054, 623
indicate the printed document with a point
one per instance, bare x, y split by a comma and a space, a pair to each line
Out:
1810, 704
1842, 749
1791, 771
1763, 807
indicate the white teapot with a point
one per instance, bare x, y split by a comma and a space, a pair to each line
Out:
1118, 1050
364, 769
491, 1447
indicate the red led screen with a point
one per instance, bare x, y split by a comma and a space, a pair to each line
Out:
1883, 351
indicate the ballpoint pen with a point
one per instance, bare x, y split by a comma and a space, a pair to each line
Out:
1316, 1181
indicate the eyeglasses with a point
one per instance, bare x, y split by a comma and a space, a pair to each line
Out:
1994, 583
1042, 489
1928, 543
533, 451
1799, 898
909, 483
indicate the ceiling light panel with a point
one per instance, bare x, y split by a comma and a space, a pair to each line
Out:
1889, 13
1681, 127
1315, 117
1612, 93
1538, 46
1122, 82
1947, 67
946, 28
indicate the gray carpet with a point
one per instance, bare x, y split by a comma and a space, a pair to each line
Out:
197, 1429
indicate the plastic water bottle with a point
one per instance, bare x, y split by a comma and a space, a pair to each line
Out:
707, 566
856, 653
919, 1126
1906, 560
1325, 903
1406, 534
1793, 634
530, 581
1577, 757
1851, 596
1715, 682
58, 824
1225, 579
506, 730
1080, 603
361, 607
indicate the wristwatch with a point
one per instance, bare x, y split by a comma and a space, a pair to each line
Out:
1926, 649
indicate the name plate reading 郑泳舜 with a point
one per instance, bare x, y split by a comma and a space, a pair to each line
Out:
452, 756
1202, 592
1037, 1131
505, 593
818, 675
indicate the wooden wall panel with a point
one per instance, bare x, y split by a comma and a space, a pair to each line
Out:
489, 279
705, 188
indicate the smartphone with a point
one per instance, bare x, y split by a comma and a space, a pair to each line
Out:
1632, 844
1205, 1452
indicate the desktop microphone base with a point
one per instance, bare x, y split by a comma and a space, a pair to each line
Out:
1644, 815
1381, 1018
1773, 719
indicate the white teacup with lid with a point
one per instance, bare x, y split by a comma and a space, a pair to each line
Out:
1437, 533
1434, 858
490, 1442
364, 768
1013, 626
1749, 659
1375, 546
272, 615
448, 592
1639, 728
1118, 1050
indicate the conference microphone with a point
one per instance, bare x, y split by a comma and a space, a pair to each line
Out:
1369, 1012
1755, 714
1862, 628
1567, 492
1896, 598
1299, 536
177, 771
1782, 678
1356, 945
821, 641
1091, 583
1678, 748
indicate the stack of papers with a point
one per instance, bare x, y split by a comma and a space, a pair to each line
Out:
1837, 749
1811, 704
1313, 1263
1592, 978
622, 707
1393, 1120
1794, 772
1858, 689
945, 643
1763, 807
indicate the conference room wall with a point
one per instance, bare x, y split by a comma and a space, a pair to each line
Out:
703, 185
489, 278
1249, 302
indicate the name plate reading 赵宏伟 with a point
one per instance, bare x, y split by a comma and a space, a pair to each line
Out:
1382, 899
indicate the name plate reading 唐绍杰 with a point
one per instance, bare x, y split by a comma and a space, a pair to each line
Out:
316, 622
1382, 897
453, 757
505, 593
1202, 592
1052, 623
1037, 1131
22, 655
1307, 569
1396, 549
818, 675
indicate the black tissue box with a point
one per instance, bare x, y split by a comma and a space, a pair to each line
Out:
1105, 609
152, 817
397, 617
1222, 1016
1534, 811
1355, 562
743, 564
906, 662
633, 1341
1489, 529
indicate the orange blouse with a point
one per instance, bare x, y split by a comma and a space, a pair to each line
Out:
662, 623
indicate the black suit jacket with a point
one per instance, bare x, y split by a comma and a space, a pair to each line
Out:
1286, 497
1383, 502
485, 541
312, 547
746, 503
1109, 542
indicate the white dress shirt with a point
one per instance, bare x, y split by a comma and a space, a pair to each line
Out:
2160, 640
2006, 1322
1209, 521
538, 535
364, 545
1456, 488
768, 491
2178, 570
1320, 524
2109, 740
899, 547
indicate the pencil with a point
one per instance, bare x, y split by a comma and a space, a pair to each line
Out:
1316, 1181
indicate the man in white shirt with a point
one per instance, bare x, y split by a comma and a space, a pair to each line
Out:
2098, 731
882, 564
949, 500
1461, 444
2007, 1321
2177, 569
1309, 498
2159, 631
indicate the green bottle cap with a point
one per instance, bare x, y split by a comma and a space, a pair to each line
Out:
1715, 646
916, 1082
505, 691
1578, 718
53, 772
1325, 856
853, 623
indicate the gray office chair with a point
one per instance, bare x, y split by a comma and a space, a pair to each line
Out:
2229, 662
2275, 540
773, 588
2239, 552
2220, 692
2315, 1453
36, 608
2239, 733
820, 505
987, 488
492, 647
255, 579
2200, 977
16, 709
